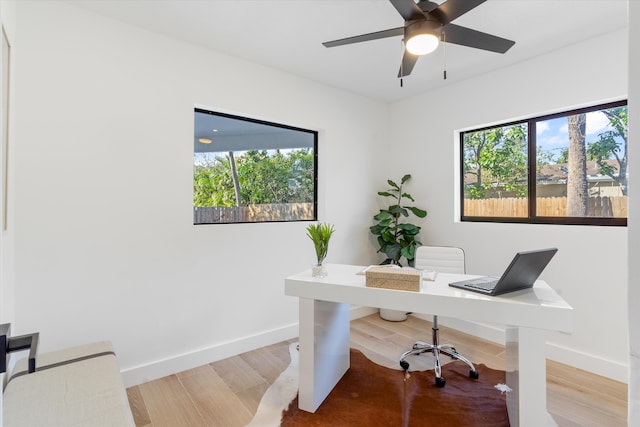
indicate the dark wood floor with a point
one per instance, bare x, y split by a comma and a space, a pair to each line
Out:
227, 393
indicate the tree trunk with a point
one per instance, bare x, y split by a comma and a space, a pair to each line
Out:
577, 194
234, 176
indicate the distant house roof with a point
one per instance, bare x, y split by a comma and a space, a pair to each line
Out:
557, 173
551, 174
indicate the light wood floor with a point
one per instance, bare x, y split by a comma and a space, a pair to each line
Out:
227, 393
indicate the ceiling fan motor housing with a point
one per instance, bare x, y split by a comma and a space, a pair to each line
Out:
422, 26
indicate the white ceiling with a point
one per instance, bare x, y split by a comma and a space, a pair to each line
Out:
287, 35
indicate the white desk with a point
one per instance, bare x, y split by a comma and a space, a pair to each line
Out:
324, 330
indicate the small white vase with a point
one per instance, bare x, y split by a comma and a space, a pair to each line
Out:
319, 270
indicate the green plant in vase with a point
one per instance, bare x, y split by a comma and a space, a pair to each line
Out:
320, 234
397, 239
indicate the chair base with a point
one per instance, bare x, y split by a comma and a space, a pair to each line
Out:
420, 347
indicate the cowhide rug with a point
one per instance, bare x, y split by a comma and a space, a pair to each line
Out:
373, 395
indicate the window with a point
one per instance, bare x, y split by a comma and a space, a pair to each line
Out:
248, 170
564, 168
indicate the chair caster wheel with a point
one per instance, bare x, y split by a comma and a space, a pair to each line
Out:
440, 382
473, 374
404, 364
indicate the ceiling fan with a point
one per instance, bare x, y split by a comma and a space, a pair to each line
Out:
426, 24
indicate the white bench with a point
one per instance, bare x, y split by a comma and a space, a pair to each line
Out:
79, 386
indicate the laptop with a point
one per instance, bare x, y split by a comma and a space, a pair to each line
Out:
524, 270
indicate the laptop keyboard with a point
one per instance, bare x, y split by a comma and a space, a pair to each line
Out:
481, 284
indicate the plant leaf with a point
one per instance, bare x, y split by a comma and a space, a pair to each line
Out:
388, 236
376, 229
408, 196
383, 215
408, 227
417, 211
393, 251
386, 194
409, 252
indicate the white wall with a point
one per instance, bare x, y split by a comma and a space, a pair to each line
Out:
590, 269
105, 246
7, 17
634, 218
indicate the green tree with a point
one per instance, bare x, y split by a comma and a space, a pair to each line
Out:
498, 158
301, 182
213, 183
277, 178
478, 147
261, 179
563, 158
613, 144
544, 157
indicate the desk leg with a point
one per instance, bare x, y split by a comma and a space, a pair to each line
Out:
324, 350
527, 377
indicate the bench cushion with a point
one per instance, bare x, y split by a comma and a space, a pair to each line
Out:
85, 392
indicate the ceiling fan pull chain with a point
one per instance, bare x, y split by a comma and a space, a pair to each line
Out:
444, 51
402, 62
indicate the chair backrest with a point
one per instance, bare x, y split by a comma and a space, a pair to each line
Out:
443, 259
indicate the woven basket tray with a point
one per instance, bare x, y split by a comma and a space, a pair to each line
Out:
393, 278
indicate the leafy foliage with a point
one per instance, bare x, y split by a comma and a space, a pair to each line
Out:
397, 239
613, 144
497, 155
320, 234
263, 179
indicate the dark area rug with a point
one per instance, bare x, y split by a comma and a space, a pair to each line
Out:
373, 395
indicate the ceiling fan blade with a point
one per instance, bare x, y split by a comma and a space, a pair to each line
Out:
408, 62
366, 37
472, 38
427, 6
408, 9
452, 9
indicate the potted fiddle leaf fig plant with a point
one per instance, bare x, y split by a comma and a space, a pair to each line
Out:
320, 234
397, 238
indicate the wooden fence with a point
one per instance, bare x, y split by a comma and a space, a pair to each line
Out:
254, 213
604, 207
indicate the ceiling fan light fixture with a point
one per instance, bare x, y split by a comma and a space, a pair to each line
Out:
422, 44
422, 37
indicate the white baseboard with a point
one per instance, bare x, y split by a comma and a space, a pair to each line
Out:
180, 362
188, 360
358, 312
587, 362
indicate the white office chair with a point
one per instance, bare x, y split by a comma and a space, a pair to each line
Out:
441, 259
